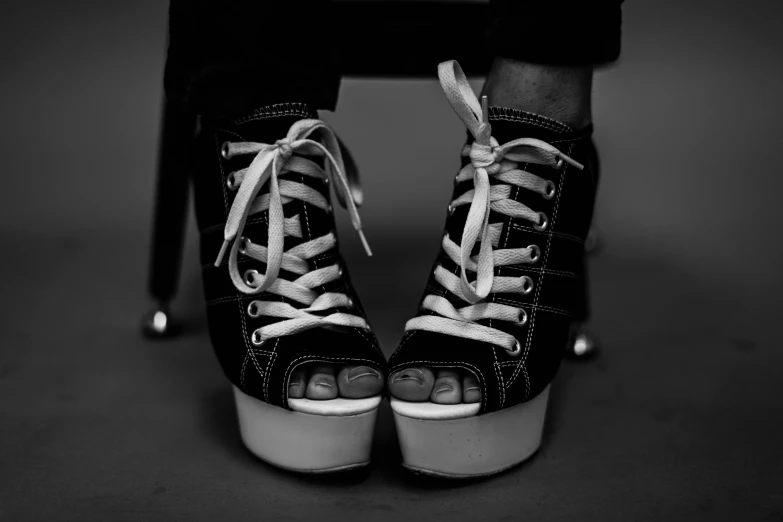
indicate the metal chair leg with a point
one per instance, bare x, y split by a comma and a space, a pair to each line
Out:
171, 204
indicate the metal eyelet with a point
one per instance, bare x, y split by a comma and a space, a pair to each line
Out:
339, 271
231, 181
559, 164
543, 222
250, 277
516, 350
255, 338
522, 321
549, 192
224, 150
452, 210
535, 253
456, 180
252, 309
350, 303
329, 209
527, 285
244, 243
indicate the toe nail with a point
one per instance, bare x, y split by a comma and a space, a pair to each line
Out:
410, 375
444, 388
324, 383
362, 371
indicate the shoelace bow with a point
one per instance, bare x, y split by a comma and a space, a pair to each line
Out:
270, 161
488, 159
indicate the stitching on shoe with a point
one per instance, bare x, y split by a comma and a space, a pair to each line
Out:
563, 235
537, 307
269, 371
540, 284
360, 331
303, 110
405, 338
549, 271
236, 292
495, 299
516, 115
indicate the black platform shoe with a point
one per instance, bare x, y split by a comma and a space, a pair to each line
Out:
278, 293
504, 290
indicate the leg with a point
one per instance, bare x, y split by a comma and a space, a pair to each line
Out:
534, 73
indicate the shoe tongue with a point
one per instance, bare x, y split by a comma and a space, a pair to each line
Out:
511, 124
271, 123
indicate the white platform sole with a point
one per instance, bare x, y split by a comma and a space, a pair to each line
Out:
450, 441
322, 437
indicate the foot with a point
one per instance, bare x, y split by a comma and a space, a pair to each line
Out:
499, 300
320, 381
283, 315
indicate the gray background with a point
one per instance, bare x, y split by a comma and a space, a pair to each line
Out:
679, 419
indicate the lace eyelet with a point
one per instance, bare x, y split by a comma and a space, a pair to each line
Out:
549, 192
516, 350
249, 277
244, 243
559, 164
255, 338
535, 253
543, 222
252, 309
231, 181
522, 321
527, 285
224, 150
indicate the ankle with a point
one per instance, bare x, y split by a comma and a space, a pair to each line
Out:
558, 92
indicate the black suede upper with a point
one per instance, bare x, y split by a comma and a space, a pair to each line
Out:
558, 276
263, 372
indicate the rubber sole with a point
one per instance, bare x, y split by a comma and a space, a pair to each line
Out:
319, 442
469, 446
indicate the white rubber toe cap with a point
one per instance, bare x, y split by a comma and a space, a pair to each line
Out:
335, 407
432, 411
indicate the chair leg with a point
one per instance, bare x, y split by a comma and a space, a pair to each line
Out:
582, 343
178, 130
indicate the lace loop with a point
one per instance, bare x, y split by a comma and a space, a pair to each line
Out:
488, 159
271, 161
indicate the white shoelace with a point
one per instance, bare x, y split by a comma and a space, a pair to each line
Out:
488, 159
270, 162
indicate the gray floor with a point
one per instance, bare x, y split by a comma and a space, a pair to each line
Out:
680, 419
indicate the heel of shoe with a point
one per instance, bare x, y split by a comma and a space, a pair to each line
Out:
472, 446
304, 442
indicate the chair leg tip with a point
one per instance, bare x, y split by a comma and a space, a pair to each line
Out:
582, 344
157, 323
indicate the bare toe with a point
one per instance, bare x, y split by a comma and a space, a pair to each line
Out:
412, 384
447, 388
357, 382
471, 392
297, 383
322, 384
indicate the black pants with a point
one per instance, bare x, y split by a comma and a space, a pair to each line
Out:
226, 58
